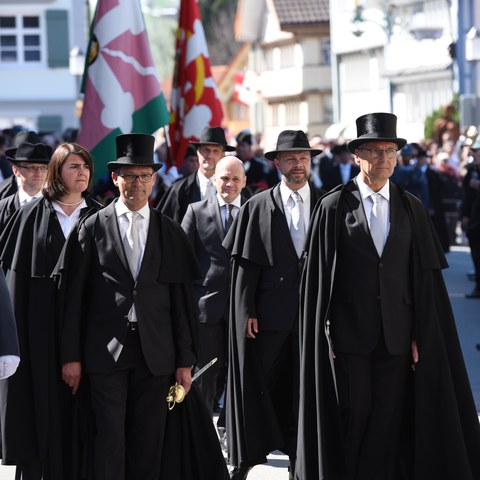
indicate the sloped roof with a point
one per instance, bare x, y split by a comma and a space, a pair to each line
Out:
302, 11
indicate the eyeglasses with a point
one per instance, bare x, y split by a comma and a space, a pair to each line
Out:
130, 178
376, 153
43, 168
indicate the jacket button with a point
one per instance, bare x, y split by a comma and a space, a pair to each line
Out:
134, 292
380, 265
281, 279
379, 297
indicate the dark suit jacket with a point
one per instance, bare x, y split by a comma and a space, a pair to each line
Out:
371, 293
176, 199
8, 206
270, 266
331, 176
101, 290
203, 225
8, 187
8, 329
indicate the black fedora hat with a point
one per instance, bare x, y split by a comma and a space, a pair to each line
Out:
292, 141
32, 153
134, 149
374, 127
214, 136
23, 136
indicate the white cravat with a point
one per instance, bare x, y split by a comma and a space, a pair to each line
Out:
131, 243
297, 225
376, 223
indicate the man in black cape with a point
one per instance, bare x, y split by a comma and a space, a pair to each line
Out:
435, 433
266, 243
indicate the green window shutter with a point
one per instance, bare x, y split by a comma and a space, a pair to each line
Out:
57, 38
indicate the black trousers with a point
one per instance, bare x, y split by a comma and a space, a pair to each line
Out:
130, 410
372, 390
278, 352
212, 342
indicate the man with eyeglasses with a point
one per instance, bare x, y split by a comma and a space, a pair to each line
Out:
130, 299
384, 392
30, 166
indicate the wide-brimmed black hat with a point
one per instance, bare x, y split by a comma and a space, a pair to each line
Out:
214, 136
374, 127
134, 149
22, 136
292, 141
32, 153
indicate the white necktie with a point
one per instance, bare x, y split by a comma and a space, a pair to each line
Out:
132, 249
211, 190
297, 226
376, 223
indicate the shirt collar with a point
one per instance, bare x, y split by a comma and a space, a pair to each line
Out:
122, 209
24, 197
57, 207
202, 179
285, 192
237, 202
366, 191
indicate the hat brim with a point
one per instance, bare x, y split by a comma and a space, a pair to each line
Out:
228, 148
353, 144
27, 160
127, 162
273, 154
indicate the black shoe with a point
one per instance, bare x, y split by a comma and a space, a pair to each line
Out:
239, 473
475, 293
472, 276
477, 346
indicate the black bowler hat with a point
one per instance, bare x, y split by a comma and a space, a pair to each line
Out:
32, 153
134, 149
22, 136
214, 136
292, 141
374, 127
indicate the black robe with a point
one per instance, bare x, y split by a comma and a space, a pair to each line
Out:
35, 403
249, 442
8, 206
441, 438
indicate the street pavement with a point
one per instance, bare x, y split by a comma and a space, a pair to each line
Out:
467, 315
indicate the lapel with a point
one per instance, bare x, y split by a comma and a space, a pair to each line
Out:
112, 229
395, 205
355, 205
214, 213
193, 190
153, 249
16, 201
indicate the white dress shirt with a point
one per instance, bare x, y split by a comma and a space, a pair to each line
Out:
143, 222
24, 197
304, 192
237, 203
68, 221
207, 188
366, 192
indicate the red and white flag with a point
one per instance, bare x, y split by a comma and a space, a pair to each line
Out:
122, 91
195, 102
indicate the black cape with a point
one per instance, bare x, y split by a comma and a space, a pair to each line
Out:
442, 432
36, 406
250, 238
192, 450
8, 206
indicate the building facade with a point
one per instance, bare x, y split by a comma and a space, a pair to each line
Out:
39, 41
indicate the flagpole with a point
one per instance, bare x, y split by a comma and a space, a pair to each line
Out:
169, 150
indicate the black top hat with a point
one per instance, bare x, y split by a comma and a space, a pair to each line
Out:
23, 136
374, 127
292, 141
214, 136
135, 149
32, 153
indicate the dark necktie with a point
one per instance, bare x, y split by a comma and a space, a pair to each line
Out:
228, 216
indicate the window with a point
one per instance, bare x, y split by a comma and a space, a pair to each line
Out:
20, 40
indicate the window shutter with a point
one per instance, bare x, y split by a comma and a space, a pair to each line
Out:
57, 38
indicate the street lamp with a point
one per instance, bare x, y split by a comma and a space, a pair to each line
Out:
358, 21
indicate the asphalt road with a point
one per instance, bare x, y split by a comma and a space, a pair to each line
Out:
467, 315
